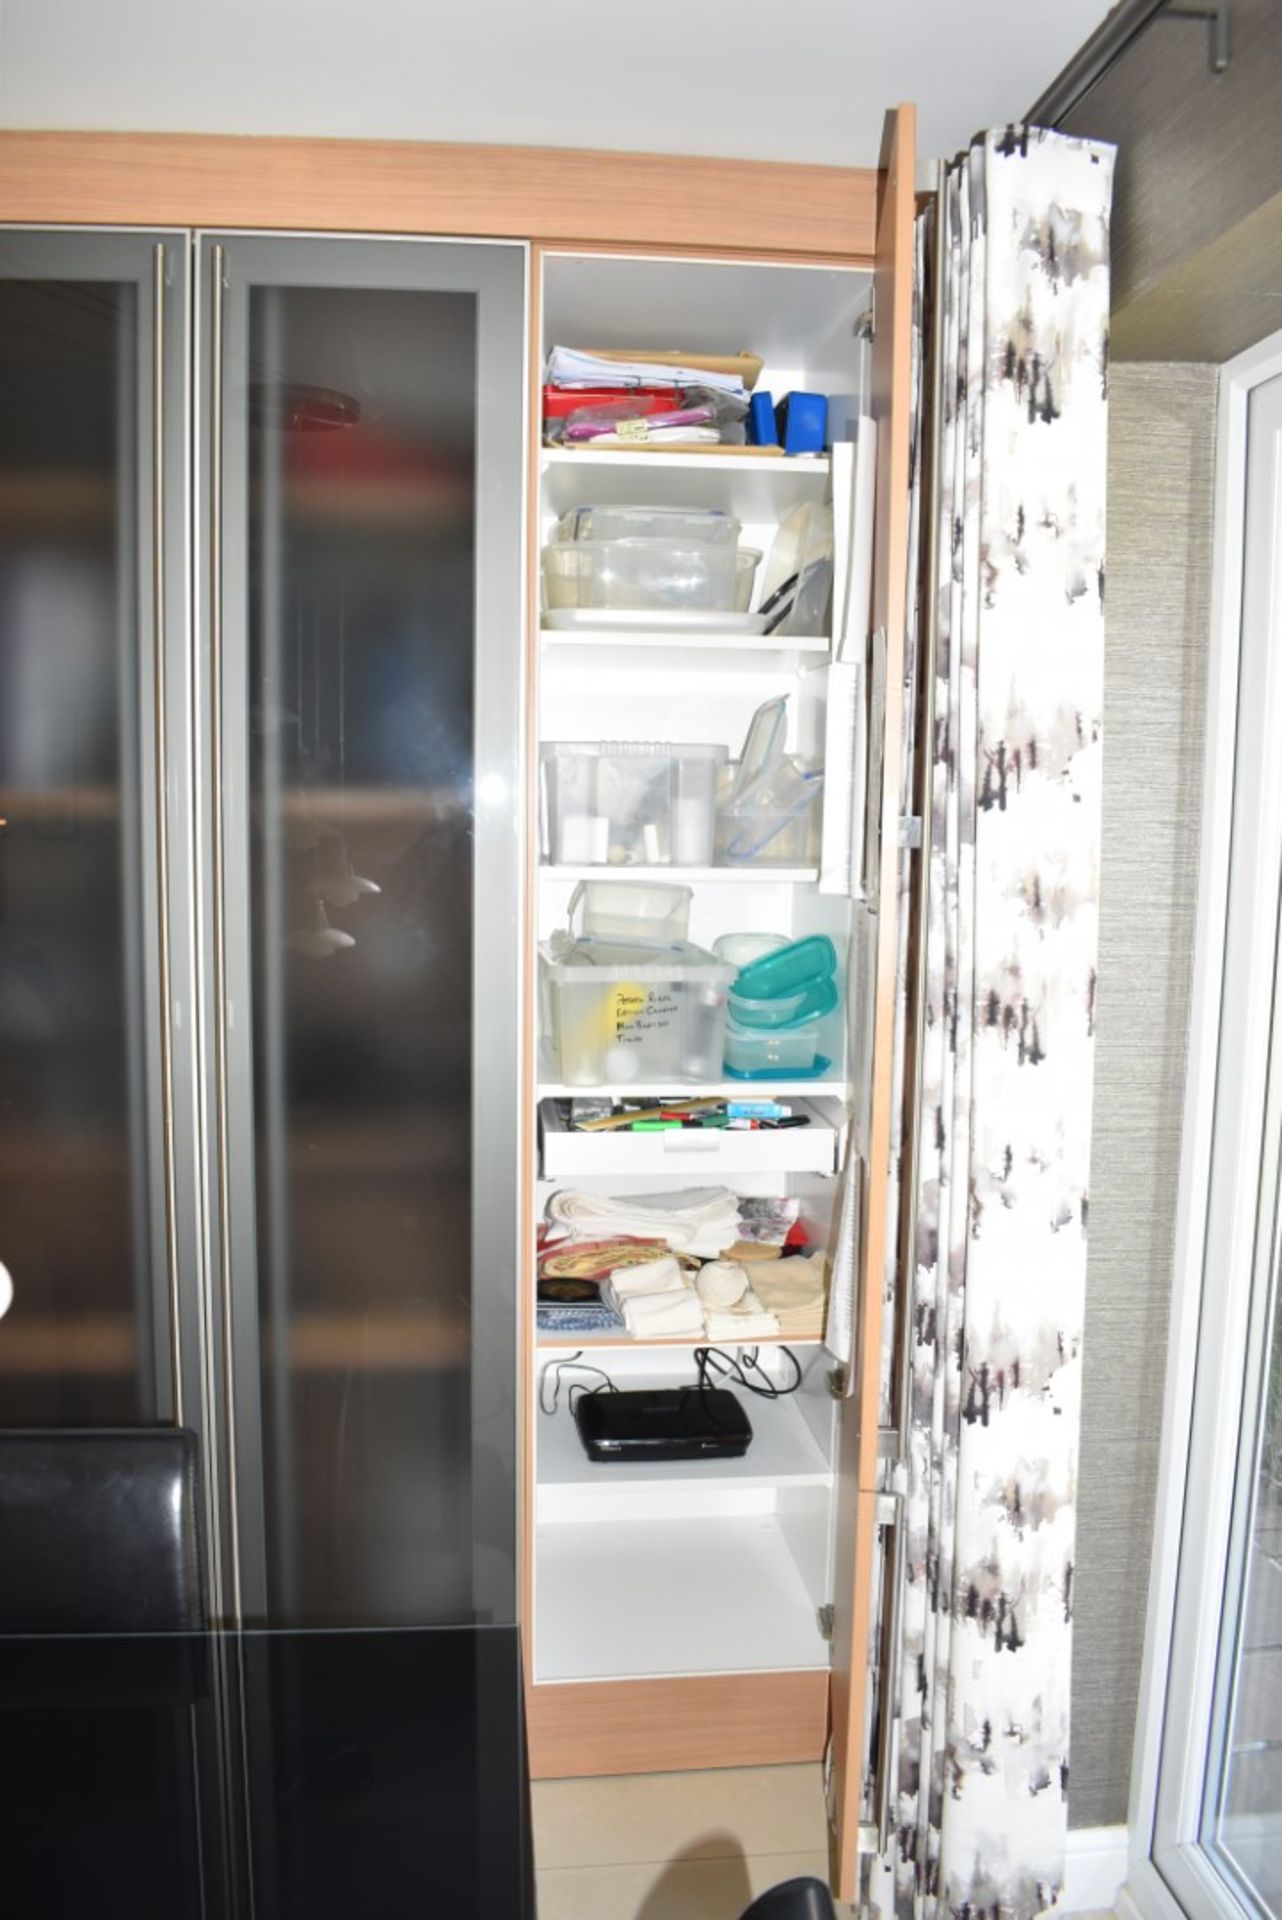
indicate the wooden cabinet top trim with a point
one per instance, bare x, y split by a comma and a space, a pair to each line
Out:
557, 195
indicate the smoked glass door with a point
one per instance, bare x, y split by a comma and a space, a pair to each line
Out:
362, 494
93, 411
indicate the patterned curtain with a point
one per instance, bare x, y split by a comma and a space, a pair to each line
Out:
989, 1485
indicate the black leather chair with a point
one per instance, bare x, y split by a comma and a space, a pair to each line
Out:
805, 1899
104, 1673
99, 1531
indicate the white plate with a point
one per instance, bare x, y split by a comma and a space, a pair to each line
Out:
643, 620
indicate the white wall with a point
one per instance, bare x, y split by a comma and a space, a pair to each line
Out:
807, 80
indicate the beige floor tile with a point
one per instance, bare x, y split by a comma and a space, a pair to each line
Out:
649, 1817
689, 1889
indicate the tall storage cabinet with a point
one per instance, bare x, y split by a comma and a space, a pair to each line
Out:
332, 686
693, 1615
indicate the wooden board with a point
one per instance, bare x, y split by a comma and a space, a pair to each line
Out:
857, 1456
668, 1726
558, 194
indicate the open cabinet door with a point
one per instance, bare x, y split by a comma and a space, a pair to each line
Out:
875, 934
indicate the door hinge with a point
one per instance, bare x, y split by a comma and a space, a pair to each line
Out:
910, 832
827, 1617
866, 324
837, 1378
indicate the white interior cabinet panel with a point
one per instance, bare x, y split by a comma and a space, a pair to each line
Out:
624, 1599
693, 1567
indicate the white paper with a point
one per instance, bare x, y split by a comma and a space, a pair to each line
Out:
572, 367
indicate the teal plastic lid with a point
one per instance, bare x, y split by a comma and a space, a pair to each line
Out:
792, 969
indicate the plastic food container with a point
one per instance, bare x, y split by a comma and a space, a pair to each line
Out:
630, 803
697, 526
811, 1003
773, 823
634, 910
621, 1013
754, 1053
649, 575
740, 949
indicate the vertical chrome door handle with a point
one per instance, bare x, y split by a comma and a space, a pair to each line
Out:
218, 874
160, 755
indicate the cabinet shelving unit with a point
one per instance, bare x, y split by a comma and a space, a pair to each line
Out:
693, 1568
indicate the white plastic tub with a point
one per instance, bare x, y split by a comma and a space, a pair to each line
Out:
621, 1015
652, 576
625, 803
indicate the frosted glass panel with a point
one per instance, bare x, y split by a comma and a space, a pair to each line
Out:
76, 1347
361, 454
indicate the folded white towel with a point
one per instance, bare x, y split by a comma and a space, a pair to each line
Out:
653, 1276
746, 1320
655, 1315
703, 1221
643, 1283
736, 1327
720, 1283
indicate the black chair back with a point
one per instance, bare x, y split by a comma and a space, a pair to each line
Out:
99, 1531
804, 1899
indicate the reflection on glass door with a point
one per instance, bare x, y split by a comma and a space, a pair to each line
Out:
82, 1224
371, 395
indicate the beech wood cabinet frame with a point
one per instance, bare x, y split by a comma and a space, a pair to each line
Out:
654, 203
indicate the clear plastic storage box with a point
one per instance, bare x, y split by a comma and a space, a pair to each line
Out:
620, 1013
626, 803
635, 910
651, 576
694, 526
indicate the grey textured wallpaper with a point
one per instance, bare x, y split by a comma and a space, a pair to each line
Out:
1161, 466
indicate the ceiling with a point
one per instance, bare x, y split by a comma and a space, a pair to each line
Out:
753, 79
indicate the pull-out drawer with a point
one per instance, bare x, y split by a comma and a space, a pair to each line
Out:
702, 1151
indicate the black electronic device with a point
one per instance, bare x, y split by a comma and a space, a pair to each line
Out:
662, 1423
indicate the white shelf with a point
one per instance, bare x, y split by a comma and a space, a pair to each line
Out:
638, 1598
549, 1089
675, 461
743, 876
782, 1451
612, 651
614, 1337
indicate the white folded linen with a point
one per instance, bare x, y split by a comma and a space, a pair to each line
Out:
746, 1320
654, 1279
653, 1276
738, 1327
702, 1221
655, 1315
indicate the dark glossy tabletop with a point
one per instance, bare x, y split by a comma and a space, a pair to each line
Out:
283, 1776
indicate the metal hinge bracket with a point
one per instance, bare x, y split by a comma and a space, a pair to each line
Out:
827, 1617
866, 324
910, 832
837, 1378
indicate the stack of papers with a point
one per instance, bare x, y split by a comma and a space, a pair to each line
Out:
579, 367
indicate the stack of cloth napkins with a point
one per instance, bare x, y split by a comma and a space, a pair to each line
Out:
654, 1300
731, 1310
702, 1221
793, 1291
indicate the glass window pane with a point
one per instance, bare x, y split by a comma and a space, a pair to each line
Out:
361, 455
1248, 1828
76, 1346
